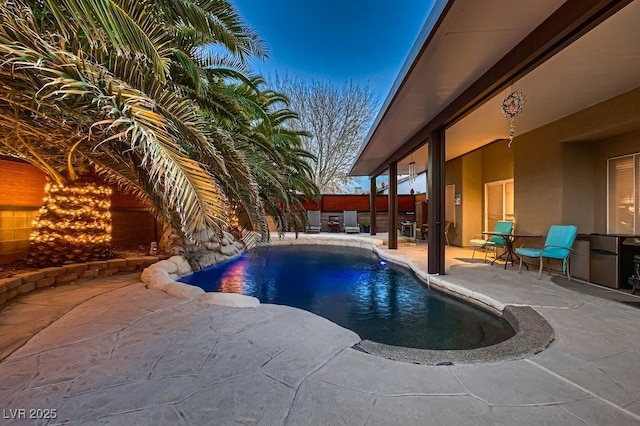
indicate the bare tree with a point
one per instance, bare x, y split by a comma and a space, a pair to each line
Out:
337, 118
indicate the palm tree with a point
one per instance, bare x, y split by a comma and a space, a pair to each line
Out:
279, 165
138, 92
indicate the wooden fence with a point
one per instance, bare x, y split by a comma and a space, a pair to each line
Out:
360, 203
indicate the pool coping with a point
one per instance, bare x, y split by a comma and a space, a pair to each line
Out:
533, 335
533, 332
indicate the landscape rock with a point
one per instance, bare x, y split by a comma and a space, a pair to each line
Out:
155, 278
212, 245
229, 250
183, 266
208, 259
229, 299
205, 235
160, 284
165, 265
184, 291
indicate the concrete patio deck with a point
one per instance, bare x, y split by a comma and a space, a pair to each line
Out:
127, 355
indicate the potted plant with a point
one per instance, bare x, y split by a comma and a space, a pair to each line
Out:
366, 226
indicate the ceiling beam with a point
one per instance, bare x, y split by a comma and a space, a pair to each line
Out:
568, 23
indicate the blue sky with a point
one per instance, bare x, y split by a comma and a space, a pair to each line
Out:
366, 41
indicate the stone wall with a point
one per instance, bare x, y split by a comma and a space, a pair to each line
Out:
210, 251
60, 275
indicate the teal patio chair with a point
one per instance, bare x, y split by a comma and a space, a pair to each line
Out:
494, 241
558, 245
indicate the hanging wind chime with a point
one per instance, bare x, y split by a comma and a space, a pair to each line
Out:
412, 172
512, 106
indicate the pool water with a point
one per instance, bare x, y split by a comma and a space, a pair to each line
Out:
352, 287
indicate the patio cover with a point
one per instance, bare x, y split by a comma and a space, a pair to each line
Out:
469, 52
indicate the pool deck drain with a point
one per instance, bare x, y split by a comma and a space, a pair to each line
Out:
135, 356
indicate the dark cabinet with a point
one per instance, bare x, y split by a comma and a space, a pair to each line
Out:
421, 213
421, 220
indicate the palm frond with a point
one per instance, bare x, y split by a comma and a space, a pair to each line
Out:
124, 22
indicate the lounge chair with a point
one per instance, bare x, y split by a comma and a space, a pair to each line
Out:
313, 221
351, 222
558, 245
494, 241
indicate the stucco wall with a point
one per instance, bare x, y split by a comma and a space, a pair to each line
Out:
538, 182
497, 162
469, 173
560, 169
578, 180
472, 203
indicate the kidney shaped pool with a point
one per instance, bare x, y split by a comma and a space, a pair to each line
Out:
352, 287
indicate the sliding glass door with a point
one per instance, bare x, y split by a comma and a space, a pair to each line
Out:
498, 202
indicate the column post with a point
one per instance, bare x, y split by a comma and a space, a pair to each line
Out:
393, 206
436, 202
373, 195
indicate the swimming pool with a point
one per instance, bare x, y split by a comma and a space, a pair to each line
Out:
354, 288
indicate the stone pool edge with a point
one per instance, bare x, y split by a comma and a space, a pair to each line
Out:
162, 275
533, 335
533, 332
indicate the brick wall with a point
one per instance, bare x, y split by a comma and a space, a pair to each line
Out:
21, 196
15, 228
21, 193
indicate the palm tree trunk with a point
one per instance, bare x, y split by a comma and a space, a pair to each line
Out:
74, 224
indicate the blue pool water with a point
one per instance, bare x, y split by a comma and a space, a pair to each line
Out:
355, 289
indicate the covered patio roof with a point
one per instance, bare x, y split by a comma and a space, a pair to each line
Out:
564, 55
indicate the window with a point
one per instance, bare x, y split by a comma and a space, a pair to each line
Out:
622, 195
498, 202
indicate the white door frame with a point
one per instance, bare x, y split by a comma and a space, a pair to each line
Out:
486, 200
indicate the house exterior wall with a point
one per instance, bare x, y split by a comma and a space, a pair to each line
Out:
469, 173
472, 197
578, 180
559, 170
497, 162
537, 182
